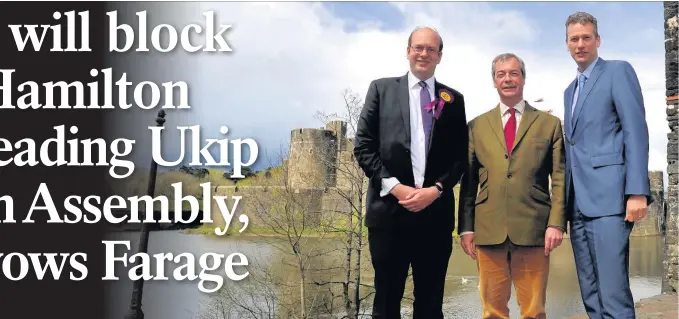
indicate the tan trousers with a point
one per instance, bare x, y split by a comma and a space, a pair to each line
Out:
502, 265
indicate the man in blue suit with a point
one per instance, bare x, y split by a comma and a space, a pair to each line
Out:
606, 169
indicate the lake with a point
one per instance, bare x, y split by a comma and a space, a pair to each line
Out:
170, 299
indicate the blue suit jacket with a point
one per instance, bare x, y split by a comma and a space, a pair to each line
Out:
606, 140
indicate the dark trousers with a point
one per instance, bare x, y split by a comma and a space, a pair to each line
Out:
393, 251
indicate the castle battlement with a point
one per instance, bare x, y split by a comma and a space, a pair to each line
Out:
315, 155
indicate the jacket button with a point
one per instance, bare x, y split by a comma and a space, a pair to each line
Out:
506, 156
572, 143
509, 175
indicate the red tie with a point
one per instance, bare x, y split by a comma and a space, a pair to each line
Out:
510, 131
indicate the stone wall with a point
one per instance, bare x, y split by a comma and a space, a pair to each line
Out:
348, 171
317, 180
671, 240
321, 158
311, 158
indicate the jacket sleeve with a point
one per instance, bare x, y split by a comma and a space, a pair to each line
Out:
367, 140
460, 136
629, 106
557, 217
468, 187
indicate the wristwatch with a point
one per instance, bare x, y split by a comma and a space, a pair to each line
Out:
439, 188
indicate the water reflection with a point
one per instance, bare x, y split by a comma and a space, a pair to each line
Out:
181, 300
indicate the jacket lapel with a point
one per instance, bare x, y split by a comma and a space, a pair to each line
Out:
437, 88
582, 96
495, 121
527, 118
404, 105
569, 108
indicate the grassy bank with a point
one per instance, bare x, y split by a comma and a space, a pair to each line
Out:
209, 230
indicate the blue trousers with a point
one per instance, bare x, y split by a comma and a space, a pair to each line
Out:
601, 250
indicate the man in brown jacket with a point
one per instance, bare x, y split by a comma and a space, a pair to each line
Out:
508, 221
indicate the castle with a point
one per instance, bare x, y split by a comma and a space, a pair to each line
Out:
319, 170
320, 158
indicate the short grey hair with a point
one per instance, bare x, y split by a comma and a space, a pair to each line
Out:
582, 18
504, 57
410, 37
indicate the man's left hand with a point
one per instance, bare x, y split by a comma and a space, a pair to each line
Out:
420, 199
637, 207
553, 238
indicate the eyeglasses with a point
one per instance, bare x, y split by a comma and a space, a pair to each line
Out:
420, 49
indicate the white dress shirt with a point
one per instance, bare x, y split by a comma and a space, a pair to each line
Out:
417, 148
504, 112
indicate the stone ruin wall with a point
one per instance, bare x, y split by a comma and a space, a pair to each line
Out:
653, 224
347, 167
311, 151
671, 241
320, 169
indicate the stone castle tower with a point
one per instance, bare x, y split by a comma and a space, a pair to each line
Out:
311, 158
320, 168
320, 157
321, 165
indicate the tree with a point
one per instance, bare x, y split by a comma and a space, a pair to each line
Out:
245, 171
316, 232
289, 221
351, 189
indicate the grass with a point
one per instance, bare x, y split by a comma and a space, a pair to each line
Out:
209, 230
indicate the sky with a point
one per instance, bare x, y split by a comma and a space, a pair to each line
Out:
290, 60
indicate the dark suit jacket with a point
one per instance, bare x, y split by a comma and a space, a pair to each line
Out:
382, 149
503, 196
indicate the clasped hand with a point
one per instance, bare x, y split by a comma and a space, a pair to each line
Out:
414, 199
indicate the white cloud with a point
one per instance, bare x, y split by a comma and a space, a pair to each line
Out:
293, 59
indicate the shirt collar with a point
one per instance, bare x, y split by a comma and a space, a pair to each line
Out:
588, 70
520, 107
413, 81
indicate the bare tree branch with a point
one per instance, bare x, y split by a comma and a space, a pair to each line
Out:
314, 223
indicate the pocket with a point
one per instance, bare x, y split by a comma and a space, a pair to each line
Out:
607, 159
482, 196
540, 142
483, 178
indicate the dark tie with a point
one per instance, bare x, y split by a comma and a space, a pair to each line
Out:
510, 130
425, 99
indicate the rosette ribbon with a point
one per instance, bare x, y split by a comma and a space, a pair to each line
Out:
436, 107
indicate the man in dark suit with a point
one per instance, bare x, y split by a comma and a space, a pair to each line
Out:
606, 169
411, 142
